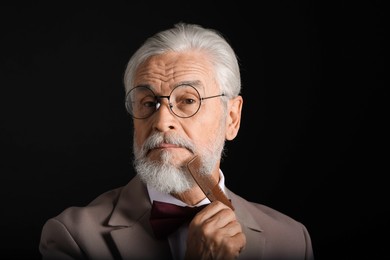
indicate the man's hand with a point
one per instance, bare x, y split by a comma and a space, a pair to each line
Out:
215, 233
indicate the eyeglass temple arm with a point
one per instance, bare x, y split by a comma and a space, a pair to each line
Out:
220, 95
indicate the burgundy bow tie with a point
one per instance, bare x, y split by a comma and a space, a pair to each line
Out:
166, 218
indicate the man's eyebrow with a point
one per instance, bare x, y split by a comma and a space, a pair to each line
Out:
194, 83
144, 85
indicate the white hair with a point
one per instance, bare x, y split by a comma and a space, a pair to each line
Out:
186, 37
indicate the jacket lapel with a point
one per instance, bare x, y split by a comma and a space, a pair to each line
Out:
133, 235
255, 240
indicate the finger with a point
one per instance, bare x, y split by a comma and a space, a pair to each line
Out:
231, 247
229, 230
224, 247
211, 210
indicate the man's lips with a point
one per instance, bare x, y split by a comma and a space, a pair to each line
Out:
164, 146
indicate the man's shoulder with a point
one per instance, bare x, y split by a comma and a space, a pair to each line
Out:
263, 213
285, 236
103, 205
97, 209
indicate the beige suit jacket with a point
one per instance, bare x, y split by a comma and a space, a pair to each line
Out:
116, 226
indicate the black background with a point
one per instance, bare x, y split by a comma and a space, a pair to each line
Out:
313, 136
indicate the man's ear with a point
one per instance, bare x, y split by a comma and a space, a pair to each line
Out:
233, 119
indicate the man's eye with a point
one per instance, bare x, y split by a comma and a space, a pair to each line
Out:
189, 101
149, 104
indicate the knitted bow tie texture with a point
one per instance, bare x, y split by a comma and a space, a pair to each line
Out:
165, 218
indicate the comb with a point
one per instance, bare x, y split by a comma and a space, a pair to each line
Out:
206, 182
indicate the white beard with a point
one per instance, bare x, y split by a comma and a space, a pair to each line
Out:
166, 177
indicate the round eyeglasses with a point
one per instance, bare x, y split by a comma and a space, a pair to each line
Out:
184, 101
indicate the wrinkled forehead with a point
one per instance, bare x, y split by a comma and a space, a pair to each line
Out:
166, 71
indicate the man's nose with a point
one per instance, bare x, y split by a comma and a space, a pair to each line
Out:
164, 119
159, 101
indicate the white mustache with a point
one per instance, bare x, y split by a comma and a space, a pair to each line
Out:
156, 139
